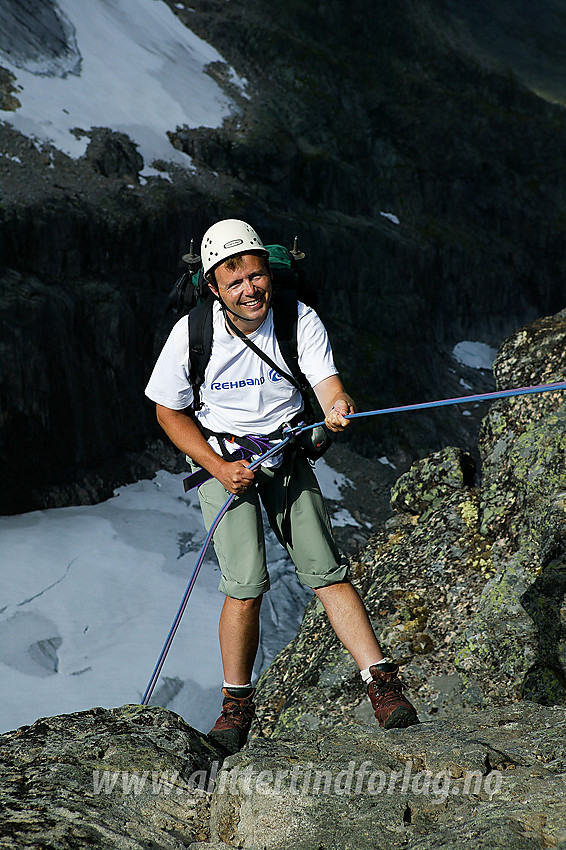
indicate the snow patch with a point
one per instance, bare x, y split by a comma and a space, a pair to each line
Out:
330, 481
343, 517
92, 592
384, 460
476, 355
390, 217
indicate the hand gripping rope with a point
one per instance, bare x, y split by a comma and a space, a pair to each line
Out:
289, 434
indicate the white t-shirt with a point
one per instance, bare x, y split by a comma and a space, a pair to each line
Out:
241, 394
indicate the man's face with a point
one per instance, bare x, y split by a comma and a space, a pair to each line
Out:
246, 290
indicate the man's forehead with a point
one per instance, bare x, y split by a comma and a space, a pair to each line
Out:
247, 263
239, 260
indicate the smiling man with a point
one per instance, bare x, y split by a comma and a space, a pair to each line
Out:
247, 397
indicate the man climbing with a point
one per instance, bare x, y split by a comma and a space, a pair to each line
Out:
241, 396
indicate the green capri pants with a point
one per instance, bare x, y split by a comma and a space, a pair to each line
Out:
239, 540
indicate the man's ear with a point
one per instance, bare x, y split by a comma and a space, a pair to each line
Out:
213, 288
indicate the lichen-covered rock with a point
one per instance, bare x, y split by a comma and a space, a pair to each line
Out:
517, 637
420, 579
123, 778
431, 479
465, 587
522, 440
493, 779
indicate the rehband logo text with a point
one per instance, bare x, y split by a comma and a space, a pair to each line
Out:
234, 385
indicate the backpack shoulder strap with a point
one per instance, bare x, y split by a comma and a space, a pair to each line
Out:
200, 345
285, 319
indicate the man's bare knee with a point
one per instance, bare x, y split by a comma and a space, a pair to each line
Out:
245, 604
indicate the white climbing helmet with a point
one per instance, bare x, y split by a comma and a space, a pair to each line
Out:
226, 238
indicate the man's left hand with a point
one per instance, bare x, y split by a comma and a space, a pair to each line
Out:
336, 417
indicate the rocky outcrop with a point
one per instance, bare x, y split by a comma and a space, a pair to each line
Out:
465, 585
114, 155
493, 779
517, 637
123, 778
140, 777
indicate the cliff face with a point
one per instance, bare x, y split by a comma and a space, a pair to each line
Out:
465, 587
84, 287
425, 182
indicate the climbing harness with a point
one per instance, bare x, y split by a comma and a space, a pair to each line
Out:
291, 434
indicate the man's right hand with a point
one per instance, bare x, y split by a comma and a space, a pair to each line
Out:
184, 432
235, 476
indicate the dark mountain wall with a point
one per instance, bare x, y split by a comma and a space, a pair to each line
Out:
87, 265
381, 109
355, 110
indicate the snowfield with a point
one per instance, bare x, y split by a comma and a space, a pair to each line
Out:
89, 594
131, 67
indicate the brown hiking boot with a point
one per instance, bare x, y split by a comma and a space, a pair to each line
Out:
232, 727
392, 709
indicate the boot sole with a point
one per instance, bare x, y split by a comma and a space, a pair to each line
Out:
229, 740
401, 718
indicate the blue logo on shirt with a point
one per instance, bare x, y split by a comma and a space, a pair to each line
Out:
274, 376
234, 385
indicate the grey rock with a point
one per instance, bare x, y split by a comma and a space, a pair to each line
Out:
430, 479
121, 778
37, 36
8, 99
206, 845
516, 638
136, 777
113, 154
495, 778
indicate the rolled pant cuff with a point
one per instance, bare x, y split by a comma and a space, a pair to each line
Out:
315, 581
242, 591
